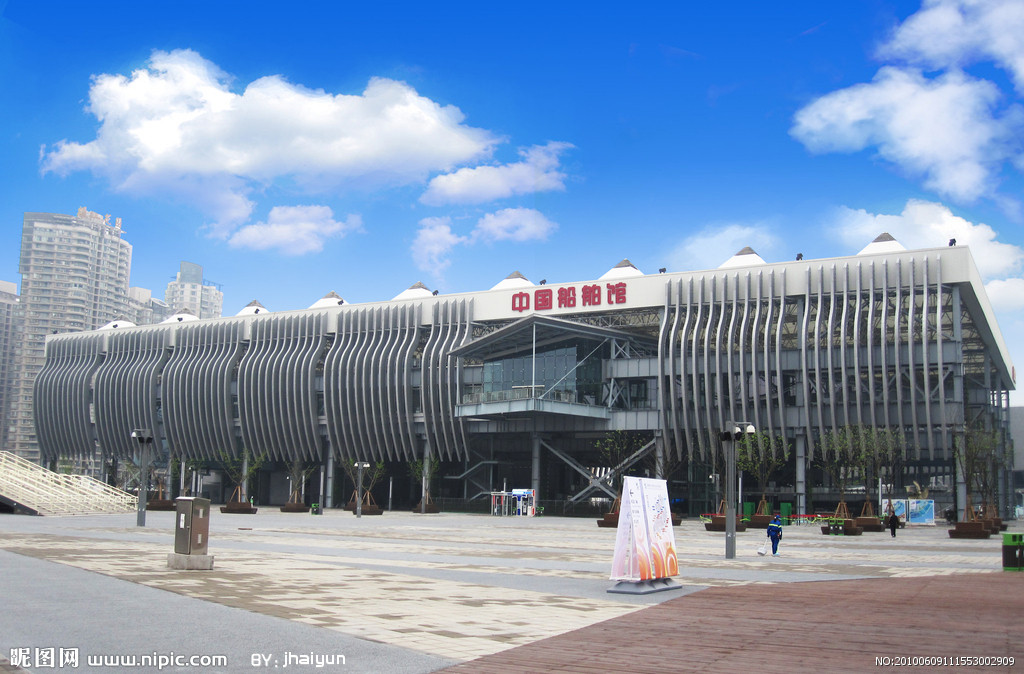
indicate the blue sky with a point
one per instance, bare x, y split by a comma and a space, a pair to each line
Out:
363, 147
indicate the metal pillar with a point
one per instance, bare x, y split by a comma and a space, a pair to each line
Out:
360, 466
730, 499
801, 474
243, 491
424, 483
535, 475
734, 430
145, 439
328, 499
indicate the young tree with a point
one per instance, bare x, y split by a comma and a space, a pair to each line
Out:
979, 461
877, 450
761, 454
837, 457
617, 447
298, 472
239, 469
371, 476
416, 471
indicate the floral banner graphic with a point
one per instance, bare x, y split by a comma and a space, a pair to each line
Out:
645, 545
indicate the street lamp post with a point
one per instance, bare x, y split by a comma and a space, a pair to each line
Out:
360, 465
734, 430
145, 439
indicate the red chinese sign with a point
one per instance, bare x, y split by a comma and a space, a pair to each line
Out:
543, 299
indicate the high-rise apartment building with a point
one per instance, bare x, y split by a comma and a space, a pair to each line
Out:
144, 309
187, 292
8, 305
74, 276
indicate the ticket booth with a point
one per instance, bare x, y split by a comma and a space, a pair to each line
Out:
192, 526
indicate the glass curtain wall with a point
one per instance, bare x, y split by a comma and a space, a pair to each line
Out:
559, 376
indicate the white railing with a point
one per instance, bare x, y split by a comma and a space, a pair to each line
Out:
50, 493
518, 393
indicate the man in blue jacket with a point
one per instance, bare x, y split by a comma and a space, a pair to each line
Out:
775, 533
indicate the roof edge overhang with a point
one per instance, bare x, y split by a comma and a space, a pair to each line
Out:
551, 325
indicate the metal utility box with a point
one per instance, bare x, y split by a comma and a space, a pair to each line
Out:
192, 525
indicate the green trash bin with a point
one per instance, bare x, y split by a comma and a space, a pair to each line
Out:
786, 510
748, 509
1013, 552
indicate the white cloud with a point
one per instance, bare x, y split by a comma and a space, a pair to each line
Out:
924, 224
434, 241
537, 172
514, 224
177, 126
1006, 295
294, 230
717, 243
958, 33
944, 129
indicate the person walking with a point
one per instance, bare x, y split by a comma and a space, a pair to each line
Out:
894, 523
775, 533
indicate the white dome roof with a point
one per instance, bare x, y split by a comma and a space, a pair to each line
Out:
121, 322
180, 317
331, 299
414, 292
744, 258
252, 308
883, 243
624, 269
513, 280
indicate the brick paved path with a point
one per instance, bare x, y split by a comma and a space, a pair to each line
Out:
832, 626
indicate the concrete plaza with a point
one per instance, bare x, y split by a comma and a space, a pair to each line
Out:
421, 593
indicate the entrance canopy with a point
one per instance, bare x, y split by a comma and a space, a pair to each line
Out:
544, 365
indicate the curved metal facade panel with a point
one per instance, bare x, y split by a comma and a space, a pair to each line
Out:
859, 342
449, 327
125, 389
63, 394
277, 400
198, 413
367, 391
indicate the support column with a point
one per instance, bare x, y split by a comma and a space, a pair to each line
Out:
659, 456
144, 459
801, 474
961, 483
243, 492
320, 498
424, 485
329, 496
535, 475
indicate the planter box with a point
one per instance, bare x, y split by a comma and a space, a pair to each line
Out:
237, 508
161, 504
978, 529
759, 521
294, 508
717, 523
609, 521
869, 524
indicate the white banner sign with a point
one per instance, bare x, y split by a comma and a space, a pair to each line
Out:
645, 545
